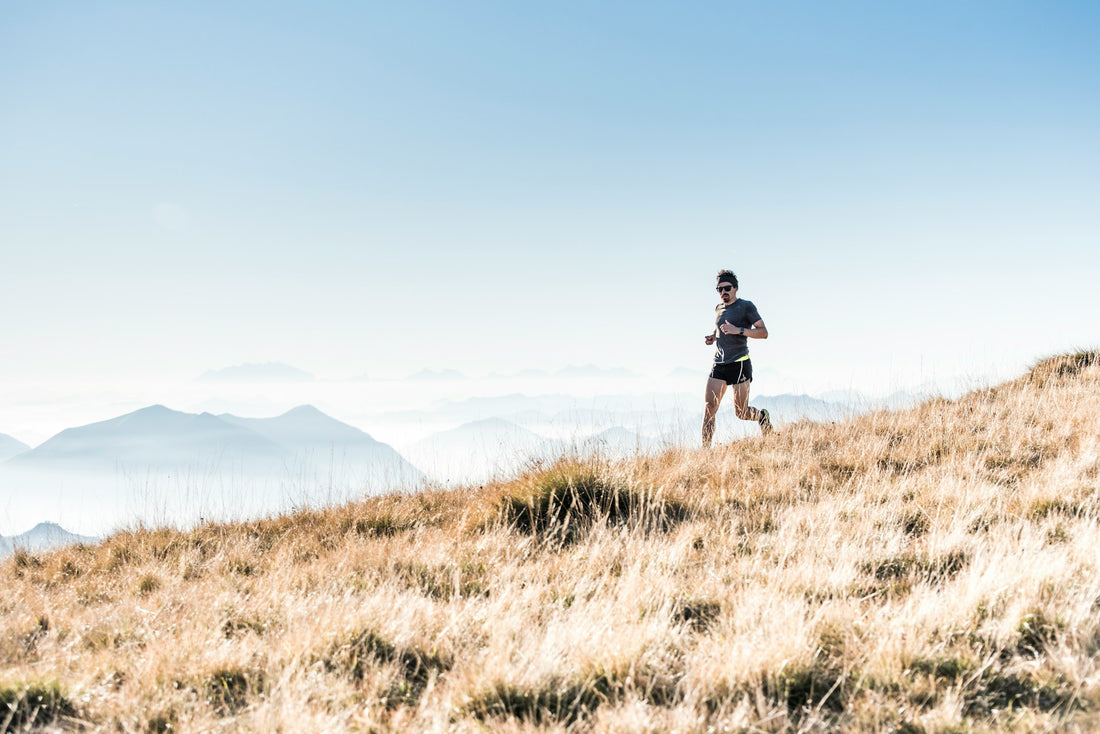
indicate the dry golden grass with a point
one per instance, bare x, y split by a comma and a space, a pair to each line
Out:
936, 569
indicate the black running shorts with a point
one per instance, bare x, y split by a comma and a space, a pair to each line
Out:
733, 373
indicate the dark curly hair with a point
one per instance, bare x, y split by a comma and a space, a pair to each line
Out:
727, 276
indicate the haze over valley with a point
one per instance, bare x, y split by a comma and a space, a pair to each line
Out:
197, 459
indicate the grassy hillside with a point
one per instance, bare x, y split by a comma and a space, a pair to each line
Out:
935, 569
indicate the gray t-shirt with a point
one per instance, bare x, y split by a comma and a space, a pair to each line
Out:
731, 347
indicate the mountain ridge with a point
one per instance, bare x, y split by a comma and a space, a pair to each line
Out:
42, 537
154, 463
154, 435
11, 446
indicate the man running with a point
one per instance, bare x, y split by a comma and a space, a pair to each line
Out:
735, 322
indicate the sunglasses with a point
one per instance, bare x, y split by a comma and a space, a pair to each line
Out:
724, 288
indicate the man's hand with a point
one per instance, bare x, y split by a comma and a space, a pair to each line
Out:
728, 328
709, 338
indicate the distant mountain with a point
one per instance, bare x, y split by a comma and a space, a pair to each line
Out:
302, 426
44, 536
560, 414
327, 443
481, 450
158, 466
903, 399
499, 406
856, 401
570, 408
531, 372
591, 370
616, 442
269, 372
521, 374
570, 371
842, 397
437, 375
10, 447
151, 437
162, 439
789, 408
493, 433
670, 417
493, 448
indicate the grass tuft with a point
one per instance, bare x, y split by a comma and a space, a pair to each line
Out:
1064, 366
916, 523
450, 581
22, 559
242, 567
229, 689
565, 500
162, 723
382, 526
948, 668
147, 585
819, 685
364, 651
554, 701
236, 626
1021, 689
567, 701
697, 614
1037, 632
1044, 508
32, 705
935, 569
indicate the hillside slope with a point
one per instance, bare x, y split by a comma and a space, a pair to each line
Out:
934, 569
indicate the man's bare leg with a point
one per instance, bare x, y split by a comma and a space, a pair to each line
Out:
715, 390
741, 402
746, 412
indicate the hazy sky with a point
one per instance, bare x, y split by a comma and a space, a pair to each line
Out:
908, 190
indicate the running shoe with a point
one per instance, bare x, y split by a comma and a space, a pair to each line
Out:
765, 422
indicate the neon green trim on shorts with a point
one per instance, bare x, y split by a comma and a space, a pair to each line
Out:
741, 359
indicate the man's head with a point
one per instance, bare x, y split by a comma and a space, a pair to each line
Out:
727, 286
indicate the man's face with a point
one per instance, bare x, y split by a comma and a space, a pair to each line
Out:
727, 292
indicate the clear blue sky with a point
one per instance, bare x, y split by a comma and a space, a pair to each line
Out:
376, 188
